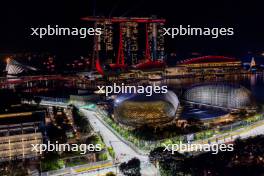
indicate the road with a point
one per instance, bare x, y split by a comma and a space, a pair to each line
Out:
90, 169
243, 133
101, 172
123, 151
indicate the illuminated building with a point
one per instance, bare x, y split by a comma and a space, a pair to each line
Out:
137, 110
103, 45
156, 40
253, 65
18, 132
228, 96
212, 65
176, 71
151, 55
14, 68
130, 41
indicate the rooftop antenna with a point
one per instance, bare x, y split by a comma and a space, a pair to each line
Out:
95, 49
94, 7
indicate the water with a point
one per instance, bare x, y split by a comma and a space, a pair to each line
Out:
255, 83
201, 113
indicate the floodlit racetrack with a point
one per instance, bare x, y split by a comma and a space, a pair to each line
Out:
242, 133
123, 151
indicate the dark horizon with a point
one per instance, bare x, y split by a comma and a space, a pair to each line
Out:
245, 17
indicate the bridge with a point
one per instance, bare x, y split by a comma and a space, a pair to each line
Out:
50, 101
29, 81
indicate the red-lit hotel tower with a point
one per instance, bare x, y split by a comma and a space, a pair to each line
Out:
156, 40
103, 44
140, 42
130, 41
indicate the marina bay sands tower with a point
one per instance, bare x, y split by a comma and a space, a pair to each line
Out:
128, 40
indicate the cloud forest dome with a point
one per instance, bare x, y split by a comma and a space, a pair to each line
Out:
137, 109
220, 94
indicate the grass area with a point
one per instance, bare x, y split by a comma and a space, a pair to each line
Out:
80, 121
52, 162
111, 152
75, 163
102, 156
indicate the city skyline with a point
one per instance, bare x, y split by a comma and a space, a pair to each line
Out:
143, 87
245, 18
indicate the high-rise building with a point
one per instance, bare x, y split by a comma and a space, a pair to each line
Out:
135, 39
156, 41
103, 44
129, 31
18, 132
252, 63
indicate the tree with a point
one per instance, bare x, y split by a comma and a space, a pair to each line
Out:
131, 168
169, 164
110, 174
80, 121
51, 161
37, 100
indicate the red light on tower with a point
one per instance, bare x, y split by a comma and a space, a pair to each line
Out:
127, 53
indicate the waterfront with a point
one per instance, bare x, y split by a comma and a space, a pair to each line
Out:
253, 82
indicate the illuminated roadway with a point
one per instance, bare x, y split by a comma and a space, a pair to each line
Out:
123, 151
255, 129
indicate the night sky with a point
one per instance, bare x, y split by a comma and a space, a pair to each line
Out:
246, 17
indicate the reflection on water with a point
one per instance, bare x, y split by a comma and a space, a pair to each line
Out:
201, 113
253, 82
